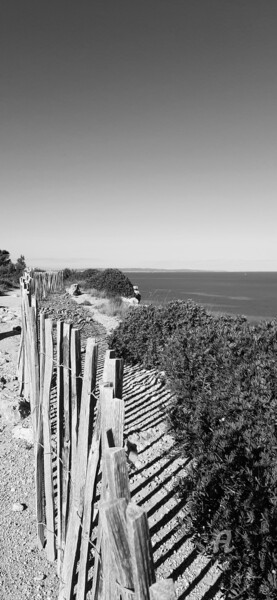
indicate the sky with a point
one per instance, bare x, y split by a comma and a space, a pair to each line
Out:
139, 133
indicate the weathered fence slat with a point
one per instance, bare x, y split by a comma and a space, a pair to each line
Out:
87, 413
76, 389
115, 485
67, 427
92, 472
112, 417
108, 354
114, 375
59, 359
35, 364
49, 491
116, 553
38, 446
141, 550
116, 471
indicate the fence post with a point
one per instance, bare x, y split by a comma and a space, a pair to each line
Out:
115, 485
112, 417
114, 375
116, 472
26, 338
49, 491
108, 354
117, 562
141, 551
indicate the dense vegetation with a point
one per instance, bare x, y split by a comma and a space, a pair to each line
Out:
10, 272
112, 281
223, 372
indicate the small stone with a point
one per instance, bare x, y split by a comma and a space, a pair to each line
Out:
39, 577
18, 507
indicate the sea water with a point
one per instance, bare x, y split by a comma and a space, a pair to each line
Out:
252, 294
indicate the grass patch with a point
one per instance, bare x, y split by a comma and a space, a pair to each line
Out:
115, 307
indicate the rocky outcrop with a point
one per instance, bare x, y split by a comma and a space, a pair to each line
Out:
137, 293
74, 290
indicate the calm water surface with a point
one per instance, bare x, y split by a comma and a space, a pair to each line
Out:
251, 294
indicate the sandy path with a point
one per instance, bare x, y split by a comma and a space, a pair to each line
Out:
109, 323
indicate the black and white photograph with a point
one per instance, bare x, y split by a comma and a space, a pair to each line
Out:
138, 300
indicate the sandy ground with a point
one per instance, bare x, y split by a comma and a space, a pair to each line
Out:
154, 469
109, 323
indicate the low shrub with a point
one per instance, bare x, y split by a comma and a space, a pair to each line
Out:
7, 283
97, 293
112, 281
71, 275
224, 418
115, 307
223, 372
142, 336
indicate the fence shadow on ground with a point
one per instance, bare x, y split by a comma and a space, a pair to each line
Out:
153, 481
10, 333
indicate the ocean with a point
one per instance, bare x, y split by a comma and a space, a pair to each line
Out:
252, 294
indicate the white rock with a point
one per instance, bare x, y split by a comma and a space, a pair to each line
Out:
131, 301
18, 507
23, 433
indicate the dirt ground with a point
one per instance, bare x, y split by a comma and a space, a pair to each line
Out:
153, 466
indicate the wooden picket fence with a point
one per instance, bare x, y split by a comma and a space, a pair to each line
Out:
81, 473
43, 283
